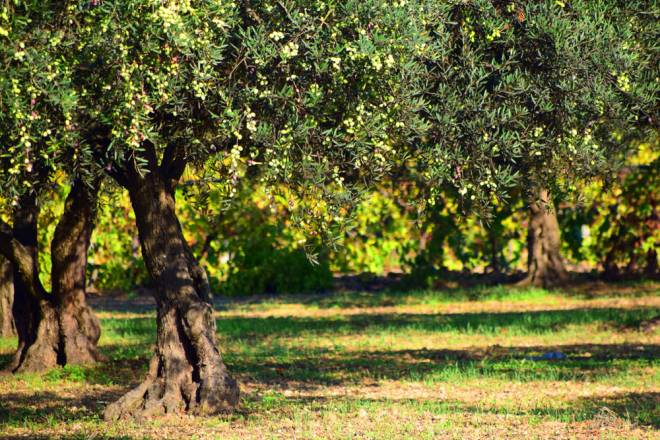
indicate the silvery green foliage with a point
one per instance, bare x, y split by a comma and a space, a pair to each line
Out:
37, 102
293, 91
536, 93
328, 95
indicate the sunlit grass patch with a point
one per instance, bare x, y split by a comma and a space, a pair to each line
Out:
413, 365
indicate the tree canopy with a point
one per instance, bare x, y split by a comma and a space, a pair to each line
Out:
479, 94
530, 91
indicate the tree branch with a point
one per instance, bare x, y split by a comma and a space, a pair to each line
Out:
114, 171
21, 259
173, 164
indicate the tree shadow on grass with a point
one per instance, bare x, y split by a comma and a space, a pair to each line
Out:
639, 409
143, 330
4, 360
318, 368
259, 335
139, 332
529, 322
268, 363
47, 407
364, 291
265, 360
368, 290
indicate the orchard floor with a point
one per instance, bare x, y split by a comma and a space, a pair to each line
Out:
425, 364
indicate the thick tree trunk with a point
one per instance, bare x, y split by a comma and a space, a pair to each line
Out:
34, 313
7, 328
187, 373
545, 267
79, 327
38, 335
58, 328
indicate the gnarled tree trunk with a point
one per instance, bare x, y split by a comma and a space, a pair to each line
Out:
34, 313
53, 328
545, 267
187, 373
79, 327
7, 328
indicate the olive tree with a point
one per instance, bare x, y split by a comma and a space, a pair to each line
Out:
38, 144
324, 96
531, 95
317, 94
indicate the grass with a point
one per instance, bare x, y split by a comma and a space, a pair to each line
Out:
421, 364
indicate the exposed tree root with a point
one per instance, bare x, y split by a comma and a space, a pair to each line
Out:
187, 373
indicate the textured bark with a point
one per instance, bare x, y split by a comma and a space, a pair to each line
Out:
78, 326
38, 335
187, 373
7, 328
34, 314
545, 267
53, 328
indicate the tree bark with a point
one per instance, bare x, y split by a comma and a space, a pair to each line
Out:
79, 327
34, 313
53, 328
545, 267
187, 373
7, 328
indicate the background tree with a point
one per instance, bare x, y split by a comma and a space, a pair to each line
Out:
616, 223
529, 94
545, 265
38, 143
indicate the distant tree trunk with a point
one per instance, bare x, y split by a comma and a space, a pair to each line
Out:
58, 328
494, 251
545, 267
186, 374
7, 328
610, 269
651, 268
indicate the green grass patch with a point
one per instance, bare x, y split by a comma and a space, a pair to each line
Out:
382, 372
